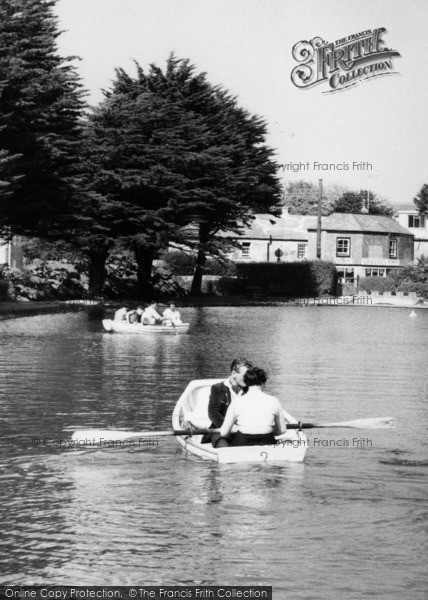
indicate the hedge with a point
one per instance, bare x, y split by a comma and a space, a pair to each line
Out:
182, 263
378, 284
395, 284
303, 278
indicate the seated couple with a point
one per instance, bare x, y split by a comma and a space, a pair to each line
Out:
150, 315
241, 401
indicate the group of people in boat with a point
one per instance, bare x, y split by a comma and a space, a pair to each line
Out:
149, 315
240, 400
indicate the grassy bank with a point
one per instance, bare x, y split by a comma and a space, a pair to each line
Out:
13, 310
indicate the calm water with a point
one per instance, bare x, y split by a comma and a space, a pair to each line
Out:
349, 523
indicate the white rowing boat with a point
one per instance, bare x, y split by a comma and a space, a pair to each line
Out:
124, 327
192, 407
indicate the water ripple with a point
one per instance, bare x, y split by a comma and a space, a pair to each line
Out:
116, 516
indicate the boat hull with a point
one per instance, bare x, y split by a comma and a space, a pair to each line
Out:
123, 327
192, 407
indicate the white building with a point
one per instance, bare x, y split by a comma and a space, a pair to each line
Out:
11, 254
408, 216
275, 239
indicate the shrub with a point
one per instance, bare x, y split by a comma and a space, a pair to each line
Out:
6, 292
230, 286
121, 275
164, 283
46, 280
378, 284
303, 278
36, 248
413, 278
182, 263
323, 274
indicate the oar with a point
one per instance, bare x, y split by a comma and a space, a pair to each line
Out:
373, 423
114, 434
111, 434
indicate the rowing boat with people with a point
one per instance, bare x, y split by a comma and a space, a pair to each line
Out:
192, 407
124, 327
190, 422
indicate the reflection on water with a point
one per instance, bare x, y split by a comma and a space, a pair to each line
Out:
346, 524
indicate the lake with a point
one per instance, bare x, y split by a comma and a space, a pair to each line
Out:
351, 522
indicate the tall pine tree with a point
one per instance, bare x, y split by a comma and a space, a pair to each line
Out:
41, 102
171, 149
235, 177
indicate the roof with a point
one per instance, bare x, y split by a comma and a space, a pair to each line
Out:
407, 208
362, 223
286, 227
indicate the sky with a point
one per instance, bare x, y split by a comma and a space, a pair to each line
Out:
246, 47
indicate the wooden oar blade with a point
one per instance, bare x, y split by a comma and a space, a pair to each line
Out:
371, 423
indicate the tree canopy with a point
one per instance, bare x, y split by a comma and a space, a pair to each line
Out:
40, 107
167, 149
354, 202
301, 197
421, 199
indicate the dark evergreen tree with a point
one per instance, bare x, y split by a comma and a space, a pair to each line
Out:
8, 180
421, 200
204, 158
127, 191
40, 107
171, 149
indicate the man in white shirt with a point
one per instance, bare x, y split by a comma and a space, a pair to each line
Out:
120, 315
171, 316
151, 316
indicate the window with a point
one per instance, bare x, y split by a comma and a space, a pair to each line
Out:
343, 247
349, 275
245, 248
346, 275
376, 272
392, 248
301, 250
416, 220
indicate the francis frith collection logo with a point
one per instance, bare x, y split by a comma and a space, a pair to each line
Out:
343, 63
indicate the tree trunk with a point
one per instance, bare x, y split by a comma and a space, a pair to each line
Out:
144, 257
196, 288
97, 272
